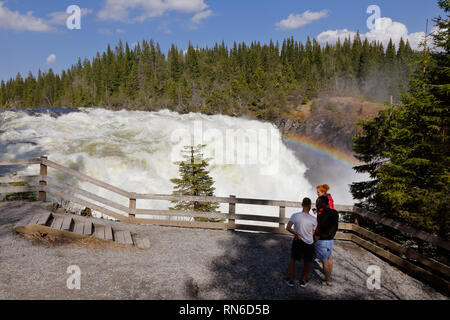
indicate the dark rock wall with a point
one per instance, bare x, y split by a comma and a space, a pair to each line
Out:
324, 129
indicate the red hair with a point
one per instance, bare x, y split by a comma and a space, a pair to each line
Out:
323, 188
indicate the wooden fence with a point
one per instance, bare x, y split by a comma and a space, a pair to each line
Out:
423, 268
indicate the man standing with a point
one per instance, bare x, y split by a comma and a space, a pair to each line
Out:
303, 244
327, 226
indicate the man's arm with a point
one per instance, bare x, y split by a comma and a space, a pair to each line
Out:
315, 236
316, 232
289, 229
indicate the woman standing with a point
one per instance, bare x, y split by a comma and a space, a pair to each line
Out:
322, 190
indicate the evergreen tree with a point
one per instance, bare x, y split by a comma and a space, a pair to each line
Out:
132, 82
406, 149
258, 79
194, 181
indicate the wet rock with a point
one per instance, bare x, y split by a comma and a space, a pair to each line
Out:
86, 212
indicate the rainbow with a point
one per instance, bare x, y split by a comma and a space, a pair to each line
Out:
322, 149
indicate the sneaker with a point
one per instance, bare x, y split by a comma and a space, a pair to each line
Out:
325, 282
290, 283
303, 284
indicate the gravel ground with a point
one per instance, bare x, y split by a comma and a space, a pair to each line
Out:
185, 263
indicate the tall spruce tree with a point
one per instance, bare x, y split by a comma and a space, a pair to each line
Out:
194, 181
406, 149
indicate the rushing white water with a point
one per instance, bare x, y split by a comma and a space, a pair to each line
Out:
135, 151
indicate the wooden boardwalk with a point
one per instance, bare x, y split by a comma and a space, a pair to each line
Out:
77, 227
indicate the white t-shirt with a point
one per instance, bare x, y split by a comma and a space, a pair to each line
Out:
304, 224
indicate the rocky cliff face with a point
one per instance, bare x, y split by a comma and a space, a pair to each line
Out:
331, 121
325, 130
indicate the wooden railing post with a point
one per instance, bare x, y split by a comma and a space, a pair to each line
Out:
43, 172
232, 210
132, 207
355, 221
282, 214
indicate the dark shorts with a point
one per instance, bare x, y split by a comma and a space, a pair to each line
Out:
301, 250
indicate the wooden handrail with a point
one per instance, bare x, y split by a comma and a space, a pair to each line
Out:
403, 228
12, 162
131, 210
87, 178
409, 253
175, 197
75, 190
18, 189
12, 179
262, 202
86, 203
414, 270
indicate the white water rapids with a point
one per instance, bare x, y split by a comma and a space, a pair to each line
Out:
136, 150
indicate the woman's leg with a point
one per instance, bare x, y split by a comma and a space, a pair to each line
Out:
327, 268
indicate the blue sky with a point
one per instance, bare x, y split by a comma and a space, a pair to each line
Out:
34, 35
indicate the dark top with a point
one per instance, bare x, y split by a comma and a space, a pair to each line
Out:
327, 224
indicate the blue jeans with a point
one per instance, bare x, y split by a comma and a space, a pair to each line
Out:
323, 249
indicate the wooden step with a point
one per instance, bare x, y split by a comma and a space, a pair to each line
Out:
79, 228
127, 237
34, 219
118, 236
26, 220
67, 222
108, 233
57, 223
50, 221
123, 236
44, 217
87, 228
100, 232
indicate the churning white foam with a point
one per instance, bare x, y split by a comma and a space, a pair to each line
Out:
133, 150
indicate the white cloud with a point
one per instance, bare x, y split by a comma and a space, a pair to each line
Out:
14, 20
385, 29
295, 21
105, 31
51, 59
198, 17
60, 17
164, 26
120, 10
108, 32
